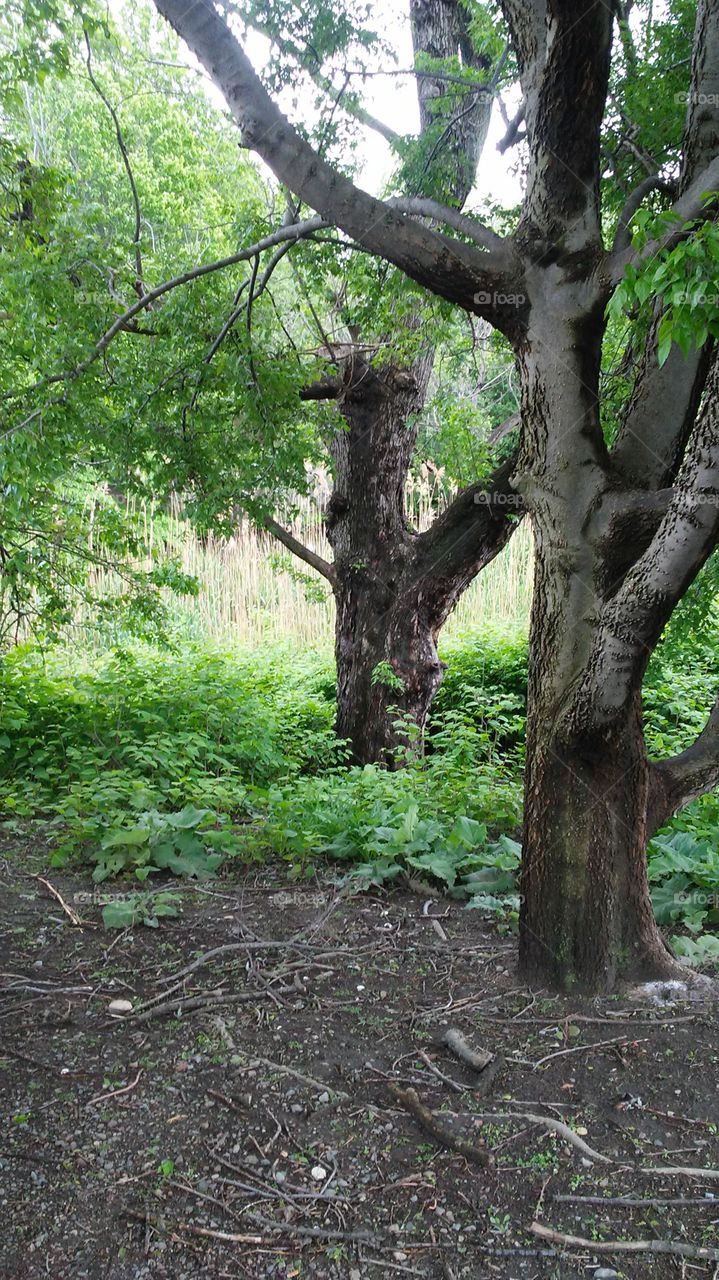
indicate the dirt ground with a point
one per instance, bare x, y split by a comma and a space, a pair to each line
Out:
287, 1107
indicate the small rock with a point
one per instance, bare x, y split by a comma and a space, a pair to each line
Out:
120, 1006
605, 1273
323, 1097
318, 1173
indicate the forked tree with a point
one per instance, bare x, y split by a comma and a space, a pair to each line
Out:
621, 529
393, 587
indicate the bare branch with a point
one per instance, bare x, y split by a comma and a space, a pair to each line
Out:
512, 134
139, 281
623, 235
461, 222
299, 549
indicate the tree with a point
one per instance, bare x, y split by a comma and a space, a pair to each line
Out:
393, 590
621, 527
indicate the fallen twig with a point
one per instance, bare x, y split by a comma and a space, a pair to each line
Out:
587, 1048
206, 1001
298, 1075
639, 1202
674, 1247
456, 1043
678, 1171
74, 917
409, 1099
248, 945
115, 1093
286, 1229
458, 1088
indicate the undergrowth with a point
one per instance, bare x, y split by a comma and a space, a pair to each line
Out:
143, 761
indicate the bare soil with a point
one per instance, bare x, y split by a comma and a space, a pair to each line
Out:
249, 1129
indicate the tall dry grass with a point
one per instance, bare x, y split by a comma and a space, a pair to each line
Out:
252, 590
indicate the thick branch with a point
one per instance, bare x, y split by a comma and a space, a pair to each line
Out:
564, 53
450, 268
466, 537
682, 778
633, 618
512, 133
461, 222
299, 549
324, 389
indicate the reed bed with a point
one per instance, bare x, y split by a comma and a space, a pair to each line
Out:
252, 590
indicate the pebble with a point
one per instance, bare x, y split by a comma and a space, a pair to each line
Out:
318, 1173
323, 1097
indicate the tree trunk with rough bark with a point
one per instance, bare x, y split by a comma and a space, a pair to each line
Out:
390, 605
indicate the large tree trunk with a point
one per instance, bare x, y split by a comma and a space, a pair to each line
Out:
586, 915
395, 587
387, 663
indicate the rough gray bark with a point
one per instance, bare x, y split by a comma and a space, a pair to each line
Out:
592, 796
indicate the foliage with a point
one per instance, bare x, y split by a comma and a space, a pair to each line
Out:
139, 908
142, 763
684, 278
422, 821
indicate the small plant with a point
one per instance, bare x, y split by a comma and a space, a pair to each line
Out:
157, 841
139, 908
384, 673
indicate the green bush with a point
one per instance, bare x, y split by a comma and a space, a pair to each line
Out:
122, 744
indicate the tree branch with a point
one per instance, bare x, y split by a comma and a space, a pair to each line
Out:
623, 234
139, 281
292, 232
448, 267
299, 549
565, 98
512, 132
325, 389
690, 206
675, 782
461, 222
633, 618
475, 527
664, 401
